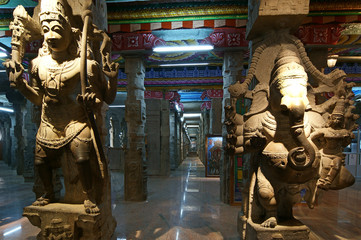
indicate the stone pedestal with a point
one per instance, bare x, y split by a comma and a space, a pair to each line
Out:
69, 221
290, 230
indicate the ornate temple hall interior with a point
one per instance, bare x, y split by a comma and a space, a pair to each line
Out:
189, 135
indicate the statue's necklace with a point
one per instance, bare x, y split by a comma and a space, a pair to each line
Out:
54, 81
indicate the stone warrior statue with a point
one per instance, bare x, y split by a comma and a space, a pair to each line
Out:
67, 130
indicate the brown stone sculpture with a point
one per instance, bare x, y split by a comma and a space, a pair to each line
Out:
289, 142
71, 79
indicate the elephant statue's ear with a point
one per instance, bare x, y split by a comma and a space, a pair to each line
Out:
260, 96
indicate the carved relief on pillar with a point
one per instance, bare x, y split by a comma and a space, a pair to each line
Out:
232, 72
232, 67
30, 127
135, 114
135, 70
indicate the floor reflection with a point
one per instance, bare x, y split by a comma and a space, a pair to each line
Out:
183, 206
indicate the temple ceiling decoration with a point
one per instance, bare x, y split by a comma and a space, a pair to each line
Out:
209, 77
140, 26
14, 3
177, 12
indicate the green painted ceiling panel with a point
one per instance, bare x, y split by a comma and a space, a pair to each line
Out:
15, 3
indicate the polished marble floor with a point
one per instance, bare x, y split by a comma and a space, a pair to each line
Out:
184, 206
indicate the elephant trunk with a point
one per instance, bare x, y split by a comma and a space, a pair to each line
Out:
302, 156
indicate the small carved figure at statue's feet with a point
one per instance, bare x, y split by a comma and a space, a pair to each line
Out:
90, 207
270, 223
44, 200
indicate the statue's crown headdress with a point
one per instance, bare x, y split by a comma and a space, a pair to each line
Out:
53, 10
287, 65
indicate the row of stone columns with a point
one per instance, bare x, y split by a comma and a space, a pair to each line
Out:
20, 130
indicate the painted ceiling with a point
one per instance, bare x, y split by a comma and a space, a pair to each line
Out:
221, 23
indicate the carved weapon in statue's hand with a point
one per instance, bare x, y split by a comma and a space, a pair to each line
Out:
24, 28
83, 78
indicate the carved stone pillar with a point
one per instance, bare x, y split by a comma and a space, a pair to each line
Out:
157, 129
116, 132
12, 160
30, 128
6, 139
216, 116
178, 142
232, 70
164, 141
181, 134
110, 126
173, 139
18, 102
135, 115
201, 140
206, 122
186, 144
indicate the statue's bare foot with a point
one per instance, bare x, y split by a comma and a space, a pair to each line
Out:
90, 207
270, 223
44, 200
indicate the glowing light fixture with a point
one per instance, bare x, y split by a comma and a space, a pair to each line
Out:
194, 48
331, 61
191, 114
182, 64
11, 231
6, 109
116, 106
193, 126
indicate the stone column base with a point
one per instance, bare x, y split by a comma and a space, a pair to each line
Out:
70, 222
290, 230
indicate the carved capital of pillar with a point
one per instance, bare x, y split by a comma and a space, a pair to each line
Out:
232, 68
269, 15
135, 70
